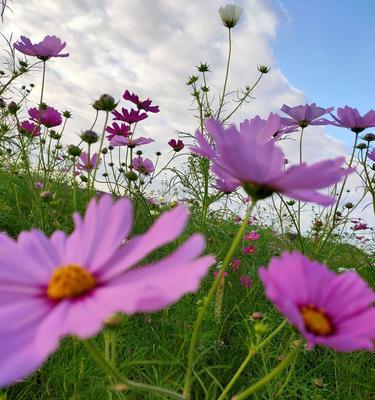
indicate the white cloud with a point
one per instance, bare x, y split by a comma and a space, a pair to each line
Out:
150, 47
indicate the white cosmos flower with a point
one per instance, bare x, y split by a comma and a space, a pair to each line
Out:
230, 15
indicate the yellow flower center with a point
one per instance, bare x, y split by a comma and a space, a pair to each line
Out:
69, 281
316, 321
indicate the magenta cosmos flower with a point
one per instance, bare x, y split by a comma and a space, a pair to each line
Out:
141, 105
48, 117
259, 167
68, 285
30, 128
350, 118
50, 46
125, 141
143, 166
177, 145
85, 164
129, 117
328, 309
302, 116
203, 148
122, 130
252, 236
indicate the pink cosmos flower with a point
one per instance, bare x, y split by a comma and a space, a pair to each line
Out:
177, 145
302, 116
250, 249
350, 118
85, 164
266, 129
38, 185
252, 236
371, 155
246, 281
30, 128
203, 148
125, 141
141, 105
48, 117
117, 130
143, 166
50, 46
129, 117
225, 187
360, 226
68, 285
328, 309
235, 264
259, 167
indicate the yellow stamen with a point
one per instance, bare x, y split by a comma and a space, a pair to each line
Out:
69, 281
316, 321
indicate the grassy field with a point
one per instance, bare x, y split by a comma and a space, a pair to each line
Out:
152, 348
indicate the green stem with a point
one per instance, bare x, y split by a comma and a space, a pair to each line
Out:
226, 74
252, 352
100, 150
112, 371
273, 374
207, 300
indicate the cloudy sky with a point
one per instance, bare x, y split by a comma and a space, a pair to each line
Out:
318, 51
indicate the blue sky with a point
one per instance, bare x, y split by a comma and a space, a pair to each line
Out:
327, 50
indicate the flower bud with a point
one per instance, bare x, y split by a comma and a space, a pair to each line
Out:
89, 137
54, 135
67, 114
105, 103
105, 150
362, 146
139, 152
230, 15
191, 80
203, 67
131, 176
349, 205
257, 315
74, 151
263, 69
291, 202
369, 137
158, 153
46, 196
13, 108
2, 103
83, 178
261, 328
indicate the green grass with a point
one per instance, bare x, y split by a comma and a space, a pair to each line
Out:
152, 348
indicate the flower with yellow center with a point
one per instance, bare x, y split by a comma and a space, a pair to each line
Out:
70, 281
316, 321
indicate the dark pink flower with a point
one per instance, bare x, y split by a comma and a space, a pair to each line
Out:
252, 236
360, 226
203, 148
250, 249
129, 117
350, 118
50, 46
259, 167
302, 116
371, 155
245, 281
225, 187
125, 141
328, 309
117, 130
177, 145
141, 105
85, 164
30, 128
143, 166
235, 264
52, 287
48, 117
